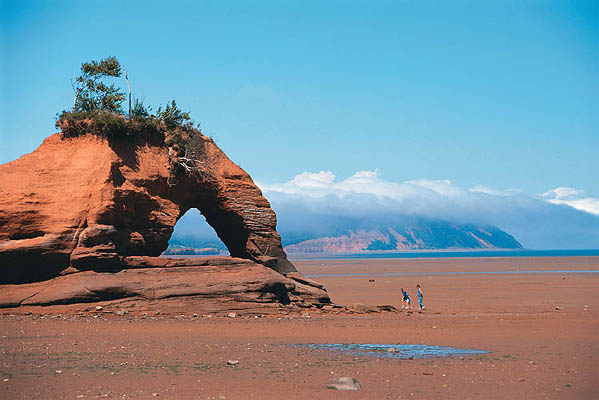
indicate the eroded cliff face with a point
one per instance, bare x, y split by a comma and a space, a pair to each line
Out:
88, 203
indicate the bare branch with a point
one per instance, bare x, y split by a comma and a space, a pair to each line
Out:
128, 86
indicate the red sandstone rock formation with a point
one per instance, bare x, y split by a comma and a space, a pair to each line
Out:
89, 203
204, 285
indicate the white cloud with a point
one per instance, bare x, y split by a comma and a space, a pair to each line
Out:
308, 179
323, 183
495, 192
362, 182
574, 198
563, 193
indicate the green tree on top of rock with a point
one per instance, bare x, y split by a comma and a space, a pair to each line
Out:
97, 111
173, 116
92, 93
97, 108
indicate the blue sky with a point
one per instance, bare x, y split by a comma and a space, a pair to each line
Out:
502, 94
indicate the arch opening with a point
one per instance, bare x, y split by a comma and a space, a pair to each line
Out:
194, 236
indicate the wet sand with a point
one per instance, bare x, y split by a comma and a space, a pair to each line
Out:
541, 331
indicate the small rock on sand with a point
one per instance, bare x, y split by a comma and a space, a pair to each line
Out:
232, 315
98, 308
344, 383
232, 362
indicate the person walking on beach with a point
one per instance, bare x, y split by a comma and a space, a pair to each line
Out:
420, 297
406, 299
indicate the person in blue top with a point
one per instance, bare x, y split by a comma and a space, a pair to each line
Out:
406, 299
420, 297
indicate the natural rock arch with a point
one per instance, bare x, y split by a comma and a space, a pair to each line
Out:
90, 203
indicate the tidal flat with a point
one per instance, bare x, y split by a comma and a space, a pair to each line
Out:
539, 331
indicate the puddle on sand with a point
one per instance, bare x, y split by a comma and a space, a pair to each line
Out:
405, 351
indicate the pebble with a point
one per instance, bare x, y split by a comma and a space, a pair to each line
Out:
344, 383
232, 362
98, 308
232, 315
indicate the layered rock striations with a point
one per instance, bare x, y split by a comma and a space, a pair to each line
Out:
88, 203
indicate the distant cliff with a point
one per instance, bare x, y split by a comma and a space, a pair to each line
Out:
424, 235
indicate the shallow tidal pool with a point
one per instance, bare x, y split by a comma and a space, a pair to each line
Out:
404, 351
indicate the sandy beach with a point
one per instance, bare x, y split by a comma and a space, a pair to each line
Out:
540, 331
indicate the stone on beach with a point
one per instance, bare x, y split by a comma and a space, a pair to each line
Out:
344, 383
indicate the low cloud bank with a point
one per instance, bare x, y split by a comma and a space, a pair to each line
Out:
574, 198
561, 218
